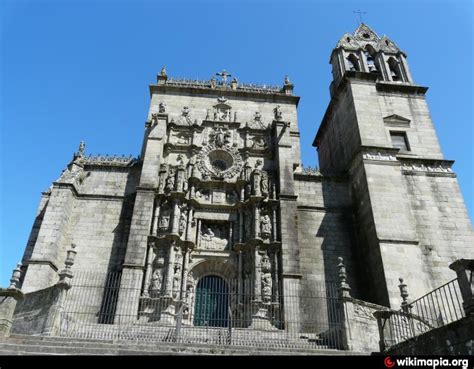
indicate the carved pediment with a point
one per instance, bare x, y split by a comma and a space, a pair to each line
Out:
387, 45
396, 120
348, 42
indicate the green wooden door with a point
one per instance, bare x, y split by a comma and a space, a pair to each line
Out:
211, 304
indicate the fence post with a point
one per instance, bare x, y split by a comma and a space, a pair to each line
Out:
179, 320
8, 300
346, 307
229, 322
464, 269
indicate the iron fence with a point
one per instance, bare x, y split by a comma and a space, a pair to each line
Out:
212, 311
437, 308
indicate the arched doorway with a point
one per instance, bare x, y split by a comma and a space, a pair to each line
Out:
211, 303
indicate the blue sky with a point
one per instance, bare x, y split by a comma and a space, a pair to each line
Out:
73, 70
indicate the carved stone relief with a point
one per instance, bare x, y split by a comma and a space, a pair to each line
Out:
214, 236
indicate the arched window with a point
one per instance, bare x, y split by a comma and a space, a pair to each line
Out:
370, 56
394, 67
353, 62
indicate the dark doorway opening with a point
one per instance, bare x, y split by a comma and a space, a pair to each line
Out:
212, 301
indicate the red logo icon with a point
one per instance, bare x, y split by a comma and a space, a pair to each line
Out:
388, 362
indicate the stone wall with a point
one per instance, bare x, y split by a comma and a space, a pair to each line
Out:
442, 225
325, 226
453, 339
33, 312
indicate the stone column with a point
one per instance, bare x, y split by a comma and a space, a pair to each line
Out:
8, 300
464, 269
170, 270
148, 270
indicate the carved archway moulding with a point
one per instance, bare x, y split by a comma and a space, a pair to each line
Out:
223, 268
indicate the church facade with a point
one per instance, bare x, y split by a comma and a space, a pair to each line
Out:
219, 199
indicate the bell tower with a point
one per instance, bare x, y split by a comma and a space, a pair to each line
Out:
409, 216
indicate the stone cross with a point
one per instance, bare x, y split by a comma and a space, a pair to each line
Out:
223, 75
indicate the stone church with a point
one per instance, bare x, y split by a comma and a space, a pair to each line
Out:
219, 200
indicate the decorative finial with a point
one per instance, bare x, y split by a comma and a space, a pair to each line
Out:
66, 274
343, 287
404, 295
223, 76
15, 279
163, 71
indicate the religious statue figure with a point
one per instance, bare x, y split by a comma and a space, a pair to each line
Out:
164, 222
264, 185
267, 287
156, 282
163, 71
208, 234
266, 226
183, 220
170, 181
82, 149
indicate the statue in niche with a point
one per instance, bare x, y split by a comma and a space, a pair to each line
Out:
156, 282
170, 181
277, 112
158, 273
214, 238
264, 185
162, 107
220, 137
266, 287
266, 226
164, 221
257, 117
258, 164
259, 143
183, 220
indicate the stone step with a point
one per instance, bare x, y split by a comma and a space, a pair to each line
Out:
80, 342
37, 345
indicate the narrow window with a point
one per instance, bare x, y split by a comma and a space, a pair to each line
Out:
394, 69
400, 141
370, 56
353, 62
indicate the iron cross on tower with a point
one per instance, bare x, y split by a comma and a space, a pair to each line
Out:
223, 75
360, 15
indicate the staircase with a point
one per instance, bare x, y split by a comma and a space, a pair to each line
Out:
38, 345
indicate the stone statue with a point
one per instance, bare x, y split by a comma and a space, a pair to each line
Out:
185, 111
156, 282
82, 149
170, 181
163, 71
208, 234
164, 223
277, 112
154, 118
266, 226
266, 287
183, 221
264, 185
162, 107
